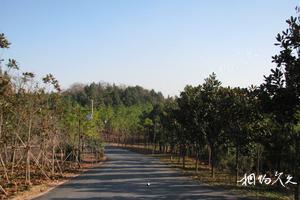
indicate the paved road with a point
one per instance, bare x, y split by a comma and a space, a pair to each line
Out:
125, 175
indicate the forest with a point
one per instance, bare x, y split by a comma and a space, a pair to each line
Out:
45, 130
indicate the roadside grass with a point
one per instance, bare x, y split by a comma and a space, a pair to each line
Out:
224, 179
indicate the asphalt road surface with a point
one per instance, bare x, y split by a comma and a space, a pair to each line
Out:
125, 176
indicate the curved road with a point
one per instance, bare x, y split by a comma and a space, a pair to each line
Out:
125, 176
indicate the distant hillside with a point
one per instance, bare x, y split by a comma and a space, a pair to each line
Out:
111, 94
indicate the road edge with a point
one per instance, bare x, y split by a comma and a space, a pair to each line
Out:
50, 187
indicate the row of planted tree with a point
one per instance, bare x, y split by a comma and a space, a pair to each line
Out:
252, 129
43, 133
245, 130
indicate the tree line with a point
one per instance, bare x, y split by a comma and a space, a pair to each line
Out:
45, 131
42, 132
105, 94
253, 129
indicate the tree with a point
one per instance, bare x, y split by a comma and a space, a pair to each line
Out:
282, 87
239, 113
212, 117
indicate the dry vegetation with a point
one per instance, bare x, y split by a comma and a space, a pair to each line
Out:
42, 134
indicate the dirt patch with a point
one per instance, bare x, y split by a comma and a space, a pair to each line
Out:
43, 186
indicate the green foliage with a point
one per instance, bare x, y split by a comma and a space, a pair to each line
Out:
241, 129
4, 44
111, 95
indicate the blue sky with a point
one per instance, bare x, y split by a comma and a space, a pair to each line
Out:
159, 44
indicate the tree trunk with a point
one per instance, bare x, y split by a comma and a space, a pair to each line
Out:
53, 160
197, 161
183, 156
297, 168
179, 153
13, 157
4, 168
154, 141
27, 165
43, 149
212, 162
145, 141
171, 152
28, 153
257, 161
61, 154
209, 156
1, 122
5, 153
236, 164
79, 140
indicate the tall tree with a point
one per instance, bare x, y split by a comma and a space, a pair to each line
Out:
283, 89
212, 116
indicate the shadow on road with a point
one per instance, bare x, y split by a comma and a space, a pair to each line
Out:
125, 176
